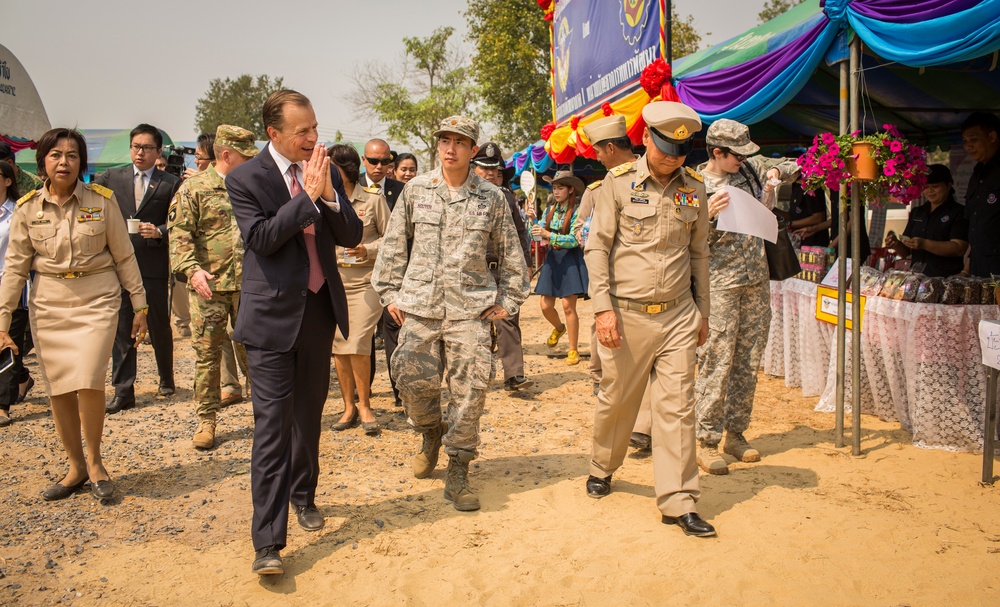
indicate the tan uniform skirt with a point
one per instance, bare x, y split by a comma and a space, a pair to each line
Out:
363, 309
73, 323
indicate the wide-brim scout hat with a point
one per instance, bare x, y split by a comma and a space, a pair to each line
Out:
567, 178
237, 138
734, 136
602, 129
461, 125
672, 125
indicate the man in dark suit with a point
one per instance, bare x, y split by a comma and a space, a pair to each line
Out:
292, 211
378, 160
144, 193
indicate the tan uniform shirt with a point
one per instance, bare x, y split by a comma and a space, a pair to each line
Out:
86, 234
647, 241
373, 211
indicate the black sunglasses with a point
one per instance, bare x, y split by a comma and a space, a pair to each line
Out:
376, 161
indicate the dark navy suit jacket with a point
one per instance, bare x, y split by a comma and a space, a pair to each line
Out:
276, 265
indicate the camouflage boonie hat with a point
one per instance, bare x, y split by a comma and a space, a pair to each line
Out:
726, 133
461, 126
237, 138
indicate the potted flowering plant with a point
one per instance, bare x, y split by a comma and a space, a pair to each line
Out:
884, 165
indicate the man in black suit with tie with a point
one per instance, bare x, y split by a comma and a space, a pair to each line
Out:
292, 211
144, 192
377, 160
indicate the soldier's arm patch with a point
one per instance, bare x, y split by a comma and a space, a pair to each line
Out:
26, 197
173, 214
621, 169
102, 190
595, 185
695, 174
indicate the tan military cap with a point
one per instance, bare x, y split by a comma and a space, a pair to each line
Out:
726, 133
237, 138
460, 125
673, 126
609, 127
567, 178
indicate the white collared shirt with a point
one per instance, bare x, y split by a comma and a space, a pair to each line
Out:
283, 166
380, 184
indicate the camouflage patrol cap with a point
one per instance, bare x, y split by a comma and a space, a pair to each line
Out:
489, 155
237, 138
459, 125
735, 136
602, 129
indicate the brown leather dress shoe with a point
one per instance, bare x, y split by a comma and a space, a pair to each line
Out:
59, 491
102, 489
267, 561
310, 518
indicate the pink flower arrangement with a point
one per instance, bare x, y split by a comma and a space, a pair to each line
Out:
901, 166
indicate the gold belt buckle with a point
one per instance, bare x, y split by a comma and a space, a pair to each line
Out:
66, 275
653, 308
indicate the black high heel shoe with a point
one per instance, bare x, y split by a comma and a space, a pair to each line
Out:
59, 491
341, 426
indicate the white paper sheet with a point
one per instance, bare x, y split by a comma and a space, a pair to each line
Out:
746, 215
989, 342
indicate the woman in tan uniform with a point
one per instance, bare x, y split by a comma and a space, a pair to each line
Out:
353, 355
74, 237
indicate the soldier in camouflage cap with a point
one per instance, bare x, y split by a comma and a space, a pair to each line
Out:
206, 247
445, 292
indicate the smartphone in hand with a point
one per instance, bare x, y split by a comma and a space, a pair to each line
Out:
6, 359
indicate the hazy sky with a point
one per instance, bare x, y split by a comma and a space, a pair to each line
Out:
115, 63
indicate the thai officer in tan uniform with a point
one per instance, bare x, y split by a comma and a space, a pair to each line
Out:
648, 257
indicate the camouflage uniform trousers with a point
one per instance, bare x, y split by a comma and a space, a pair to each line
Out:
729, 360
210, 320
458, 351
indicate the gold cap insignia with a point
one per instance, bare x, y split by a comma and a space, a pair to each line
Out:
681, 132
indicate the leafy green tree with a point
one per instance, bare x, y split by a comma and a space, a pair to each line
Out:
235, 101
511, 64
432, 85
773, 8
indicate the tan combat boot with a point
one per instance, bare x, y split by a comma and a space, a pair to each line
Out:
425, 461
204, 438
710, 461
738, 447
456, 486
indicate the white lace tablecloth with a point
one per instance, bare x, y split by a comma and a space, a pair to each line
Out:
920, 363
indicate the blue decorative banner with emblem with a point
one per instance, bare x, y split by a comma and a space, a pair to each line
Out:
600, 48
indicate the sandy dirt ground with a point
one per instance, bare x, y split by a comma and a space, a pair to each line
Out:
807, 525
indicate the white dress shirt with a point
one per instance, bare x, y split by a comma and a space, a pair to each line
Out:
283, 166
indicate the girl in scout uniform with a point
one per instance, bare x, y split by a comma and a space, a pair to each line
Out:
74, 237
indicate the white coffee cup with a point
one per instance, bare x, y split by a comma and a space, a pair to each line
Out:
133, 225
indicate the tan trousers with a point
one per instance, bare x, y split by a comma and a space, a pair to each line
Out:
644, 421
662, 346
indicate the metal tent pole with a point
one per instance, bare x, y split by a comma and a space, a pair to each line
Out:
841, 270
857, 218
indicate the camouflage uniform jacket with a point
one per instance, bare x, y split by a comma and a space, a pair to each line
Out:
203, 232
739, 259
445, 275
27, 182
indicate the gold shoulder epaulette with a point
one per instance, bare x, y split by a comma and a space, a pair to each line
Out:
372, 189
26, 197
594, 185
695, 174
621, 169
100, 189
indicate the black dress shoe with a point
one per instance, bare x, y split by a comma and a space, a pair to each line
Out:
353, 421
166, 391
310, 518
60, 492
598, 487
518, 382
267, 561
119, 403
23, 392
640, 441
102, 489
691, 523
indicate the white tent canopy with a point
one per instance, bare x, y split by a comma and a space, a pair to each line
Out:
22, 115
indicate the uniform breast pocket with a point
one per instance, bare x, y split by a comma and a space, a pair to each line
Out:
213, 218
43, 241
681, 225
92, 237
477, 231
637, 223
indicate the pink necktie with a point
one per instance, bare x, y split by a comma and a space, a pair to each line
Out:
316, 279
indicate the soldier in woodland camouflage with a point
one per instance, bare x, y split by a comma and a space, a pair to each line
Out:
206, 246
444, 291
